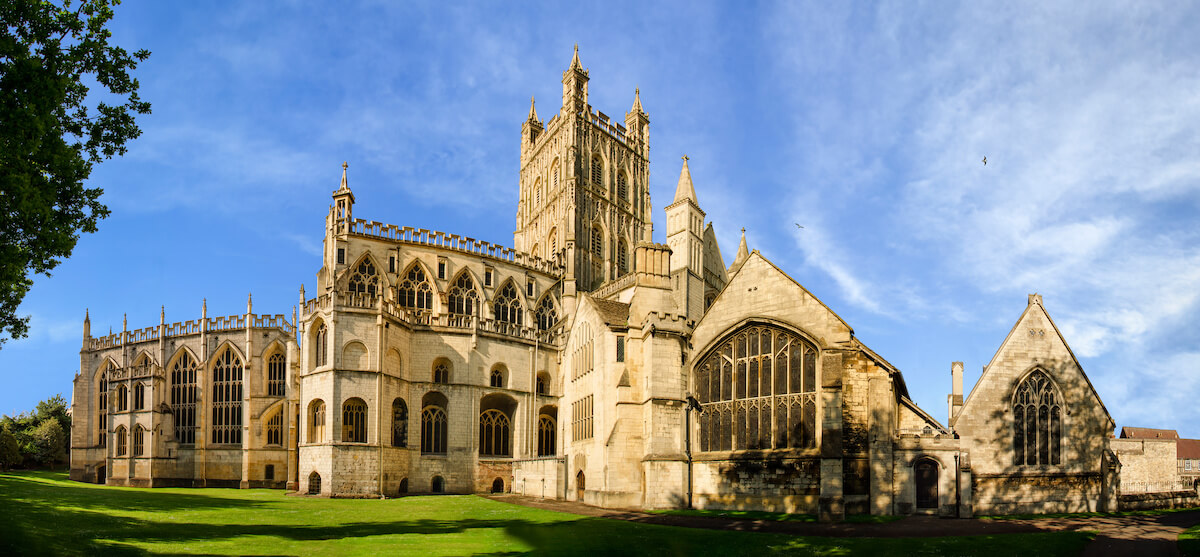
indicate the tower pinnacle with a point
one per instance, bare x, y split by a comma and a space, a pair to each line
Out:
684, 190
532, 111
575, 65
637, 101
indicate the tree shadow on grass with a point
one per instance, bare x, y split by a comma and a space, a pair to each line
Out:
53, 492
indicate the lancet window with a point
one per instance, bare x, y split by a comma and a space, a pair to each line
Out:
597, 242
316, 421
139, 440
494, 434
275, 429
354, 421
183, 398
433, 429
622, 258
622, 186
364, 280
102, 407
757, 390
276, 371
463, 297
545, 440
227, 399
121, 440
597, 172
322, 345
507, 305
139, 396
1037, 422
399, 423
414, 291
122, 398
546, 314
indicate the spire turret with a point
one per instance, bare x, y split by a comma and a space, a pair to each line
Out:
575, 65
637, 102
743, 251
575, 79
684, 190
343, 199
533, 117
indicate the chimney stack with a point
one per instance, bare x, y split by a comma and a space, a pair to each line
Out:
956, 397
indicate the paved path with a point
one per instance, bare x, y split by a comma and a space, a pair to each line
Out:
1122, 535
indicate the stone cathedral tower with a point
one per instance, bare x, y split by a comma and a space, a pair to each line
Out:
584, 184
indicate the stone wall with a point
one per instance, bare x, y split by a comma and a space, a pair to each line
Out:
1147, 465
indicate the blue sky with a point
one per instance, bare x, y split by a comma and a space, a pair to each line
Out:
866, 123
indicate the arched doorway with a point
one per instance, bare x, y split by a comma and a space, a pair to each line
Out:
403, 486
314, 484
497, 485
925, 472
579, 485
438, 485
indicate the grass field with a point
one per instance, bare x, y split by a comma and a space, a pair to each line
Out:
43, 513
1189, 542
777, 517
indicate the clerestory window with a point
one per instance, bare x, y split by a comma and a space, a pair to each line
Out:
364, 281
414, 291
507, 305
463, 297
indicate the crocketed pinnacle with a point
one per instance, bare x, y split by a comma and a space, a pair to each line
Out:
575, 65
532, 111
637, 101
344, 186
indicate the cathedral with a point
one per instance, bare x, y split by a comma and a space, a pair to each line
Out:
584, 363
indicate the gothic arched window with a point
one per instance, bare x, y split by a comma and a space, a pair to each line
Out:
275, 374
433, 430
354, 421
414, 291
597, 172
399, 423
546, 315
227, 399
757, 389
121, 440
494, 434
274, 429
316, 421
139, 440
322, 345
507, 305
1037, 422
364, 280
622, 186
183, 398
139, 396
622, 258
463, 297
122, 398
545, 441
102, 406
597, 242
496, 379
441, 372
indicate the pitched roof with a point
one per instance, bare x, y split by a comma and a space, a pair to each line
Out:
614, 314
1147, 433
1187, 448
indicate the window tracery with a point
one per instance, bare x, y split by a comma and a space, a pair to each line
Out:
414, 290
757, 390
463, 297
507, 305
494, 433
433, 430
139, 396
546, 430
316, 421
354, 421
399, 423
139, 440
364, 280
496, 379
597, 172
322, 345
441, 372
546, 314
276, 372
227, 399
183, 398
102, 407
1037, 422
274, 429
121, 440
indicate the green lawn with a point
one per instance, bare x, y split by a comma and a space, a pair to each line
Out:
44, 513
1189, 541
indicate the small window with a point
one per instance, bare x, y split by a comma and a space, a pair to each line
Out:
269, 472
529, 288
620, 348
542, 389
496, 379
441, 268
1187, 465
391, 264
314, 483
341, 256
441, 373
487, 277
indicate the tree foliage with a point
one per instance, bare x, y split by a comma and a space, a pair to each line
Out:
41, 438
52, 132
10, 452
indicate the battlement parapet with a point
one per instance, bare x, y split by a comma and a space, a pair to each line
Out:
444, 240
192, 327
